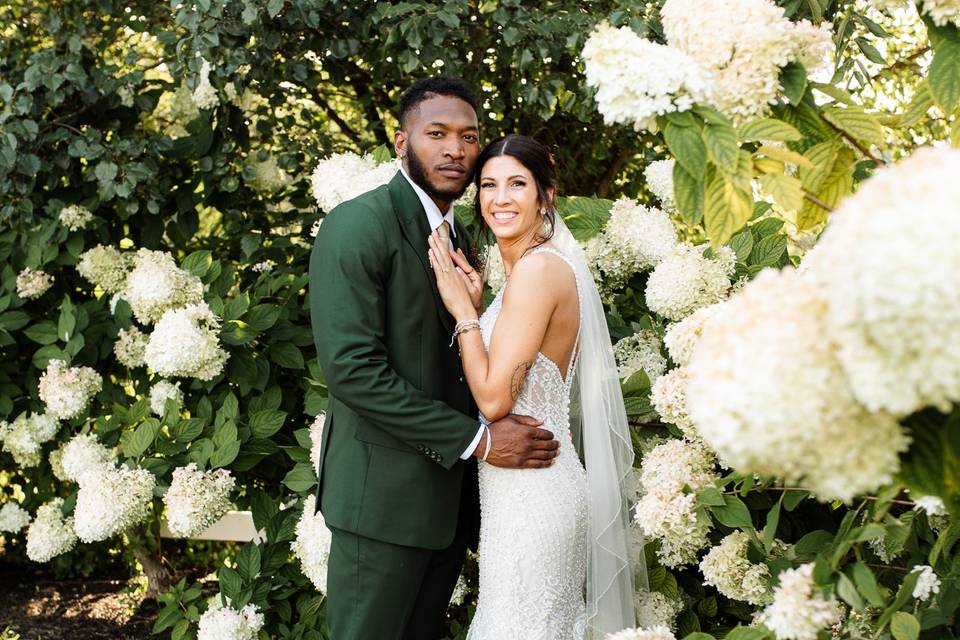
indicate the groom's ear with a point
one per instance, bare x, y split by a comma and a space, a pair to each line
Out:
400, 144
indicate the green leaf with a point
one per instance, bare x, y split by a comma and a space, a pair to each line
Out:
698, 635
720, 141
748, 633
733, 513
769, 129
712, 497
767, 252
135, 443
187, 430
904, 626
287, 355
585, 217
106, 171
688, 195
944, 79
301, 477
922, 102
726, 209
857, 123
785, 190
262, 316
848, 592
870, 51
42, 333
773, 521
274, 7
687, 147
793, 80
224, 455
264, 424
867, 584
248, 562
198, 263
785, 155
742, 244
382, 154
230, 582
13, 320
814, 543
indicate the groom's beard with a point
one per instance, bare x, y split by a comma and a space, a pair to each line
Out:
419, 175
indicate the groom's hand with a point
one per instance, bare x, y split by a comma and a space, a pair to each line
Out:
518, 442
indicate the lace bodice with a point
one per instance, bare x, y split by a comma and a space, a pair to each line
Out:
533, 524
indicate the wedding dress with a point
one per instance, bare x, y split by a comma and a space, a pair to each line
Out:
534, 524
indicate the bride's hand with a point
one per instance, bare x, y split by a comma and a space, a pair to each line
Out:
456, 287
471, 278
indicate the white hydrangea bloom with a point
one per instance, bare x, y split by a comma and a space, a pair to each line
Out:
265, 266
315, 227
156, 284
669, 398
130, 346
649, 633
223, 623
344, 176
798, 610
637, 80
197, 499
23, 437
50, 534
727, 568
312, 544
493, 270
889, 269
160, 392
640, 351
185, 343
111, 499
33, 283
932, 505
657, 610
747, 44
81, 454
267, 176
104, 267
56, 463
75, 217
659, 175
890, 5
460, 592
205, 94
687, 280
635, 238
316, 437
13, 518
68, 390
767, 393
942, 12
681, 337
928, 584
665, 512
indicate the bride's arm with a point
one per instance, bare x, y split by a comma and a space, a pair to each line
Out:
496, 377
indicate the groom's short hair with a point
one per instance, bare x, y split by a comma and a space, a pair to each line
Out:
426, 88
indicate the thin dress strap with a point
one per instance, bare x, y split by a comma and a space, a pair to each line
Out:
576, 342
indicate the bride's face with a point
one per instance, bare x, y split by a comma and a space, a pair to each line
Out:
509, 201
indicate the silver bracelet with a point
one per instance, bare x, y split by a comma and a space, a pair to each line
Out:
462, 327
489, 443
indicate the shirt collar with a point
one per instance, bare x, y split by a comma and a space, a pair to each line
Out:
434, 216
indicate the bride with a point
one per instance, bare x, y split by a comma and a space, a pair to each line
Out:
555, 560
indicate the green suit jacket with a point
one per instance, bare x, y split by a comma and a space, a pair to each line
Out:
400, 412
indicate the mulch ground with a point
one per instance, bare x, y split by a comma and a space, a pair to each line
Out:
40, 607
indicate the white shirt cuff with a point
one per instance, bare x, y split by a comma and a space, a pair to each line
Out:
473, 445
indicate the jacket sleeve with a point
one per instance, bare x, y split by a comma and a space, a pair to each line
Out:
348, 271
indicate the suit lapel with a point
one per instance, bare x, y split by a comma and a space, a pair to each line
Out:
413, 224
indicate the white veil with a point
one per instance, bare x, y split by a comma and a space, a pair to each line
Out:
598, 420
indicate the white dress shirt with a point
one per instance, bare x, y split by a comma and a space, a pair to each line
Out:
435, 218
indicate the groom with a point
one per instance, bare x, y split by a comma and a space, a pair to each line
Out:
398, 470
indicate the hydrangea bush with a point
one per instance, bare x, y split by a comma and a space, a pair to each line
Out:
163, 175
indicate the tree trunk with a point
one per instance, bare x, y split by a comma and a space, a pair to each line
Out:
158, 576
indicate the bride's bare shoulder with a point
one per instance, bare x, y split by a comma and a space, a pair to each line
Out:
541, 274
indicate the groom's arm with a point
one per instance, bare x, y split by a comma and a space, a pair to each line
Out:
348, 271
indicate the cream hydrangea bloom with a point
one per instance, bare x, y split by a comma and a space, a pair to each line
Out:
68, 390
727, 568
81, 454
156, 284
205, 94
13, 518
312, 544
943, 12
33, 283
220, 622
767, 393
657, 610
23, 437
130, 346
743, 50
688, 280
105, 267
184, 343
493, 270
641, 351
197, 499
50, 534
649, 633
669, 398
928, 584
798, 611
681, 337
111, 498
344, 176
634, 239
160, 392
637, 80
75, 217
889, 269
316, 437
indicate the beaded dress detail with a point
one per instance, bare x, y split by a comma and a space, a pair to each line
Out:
533, 525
